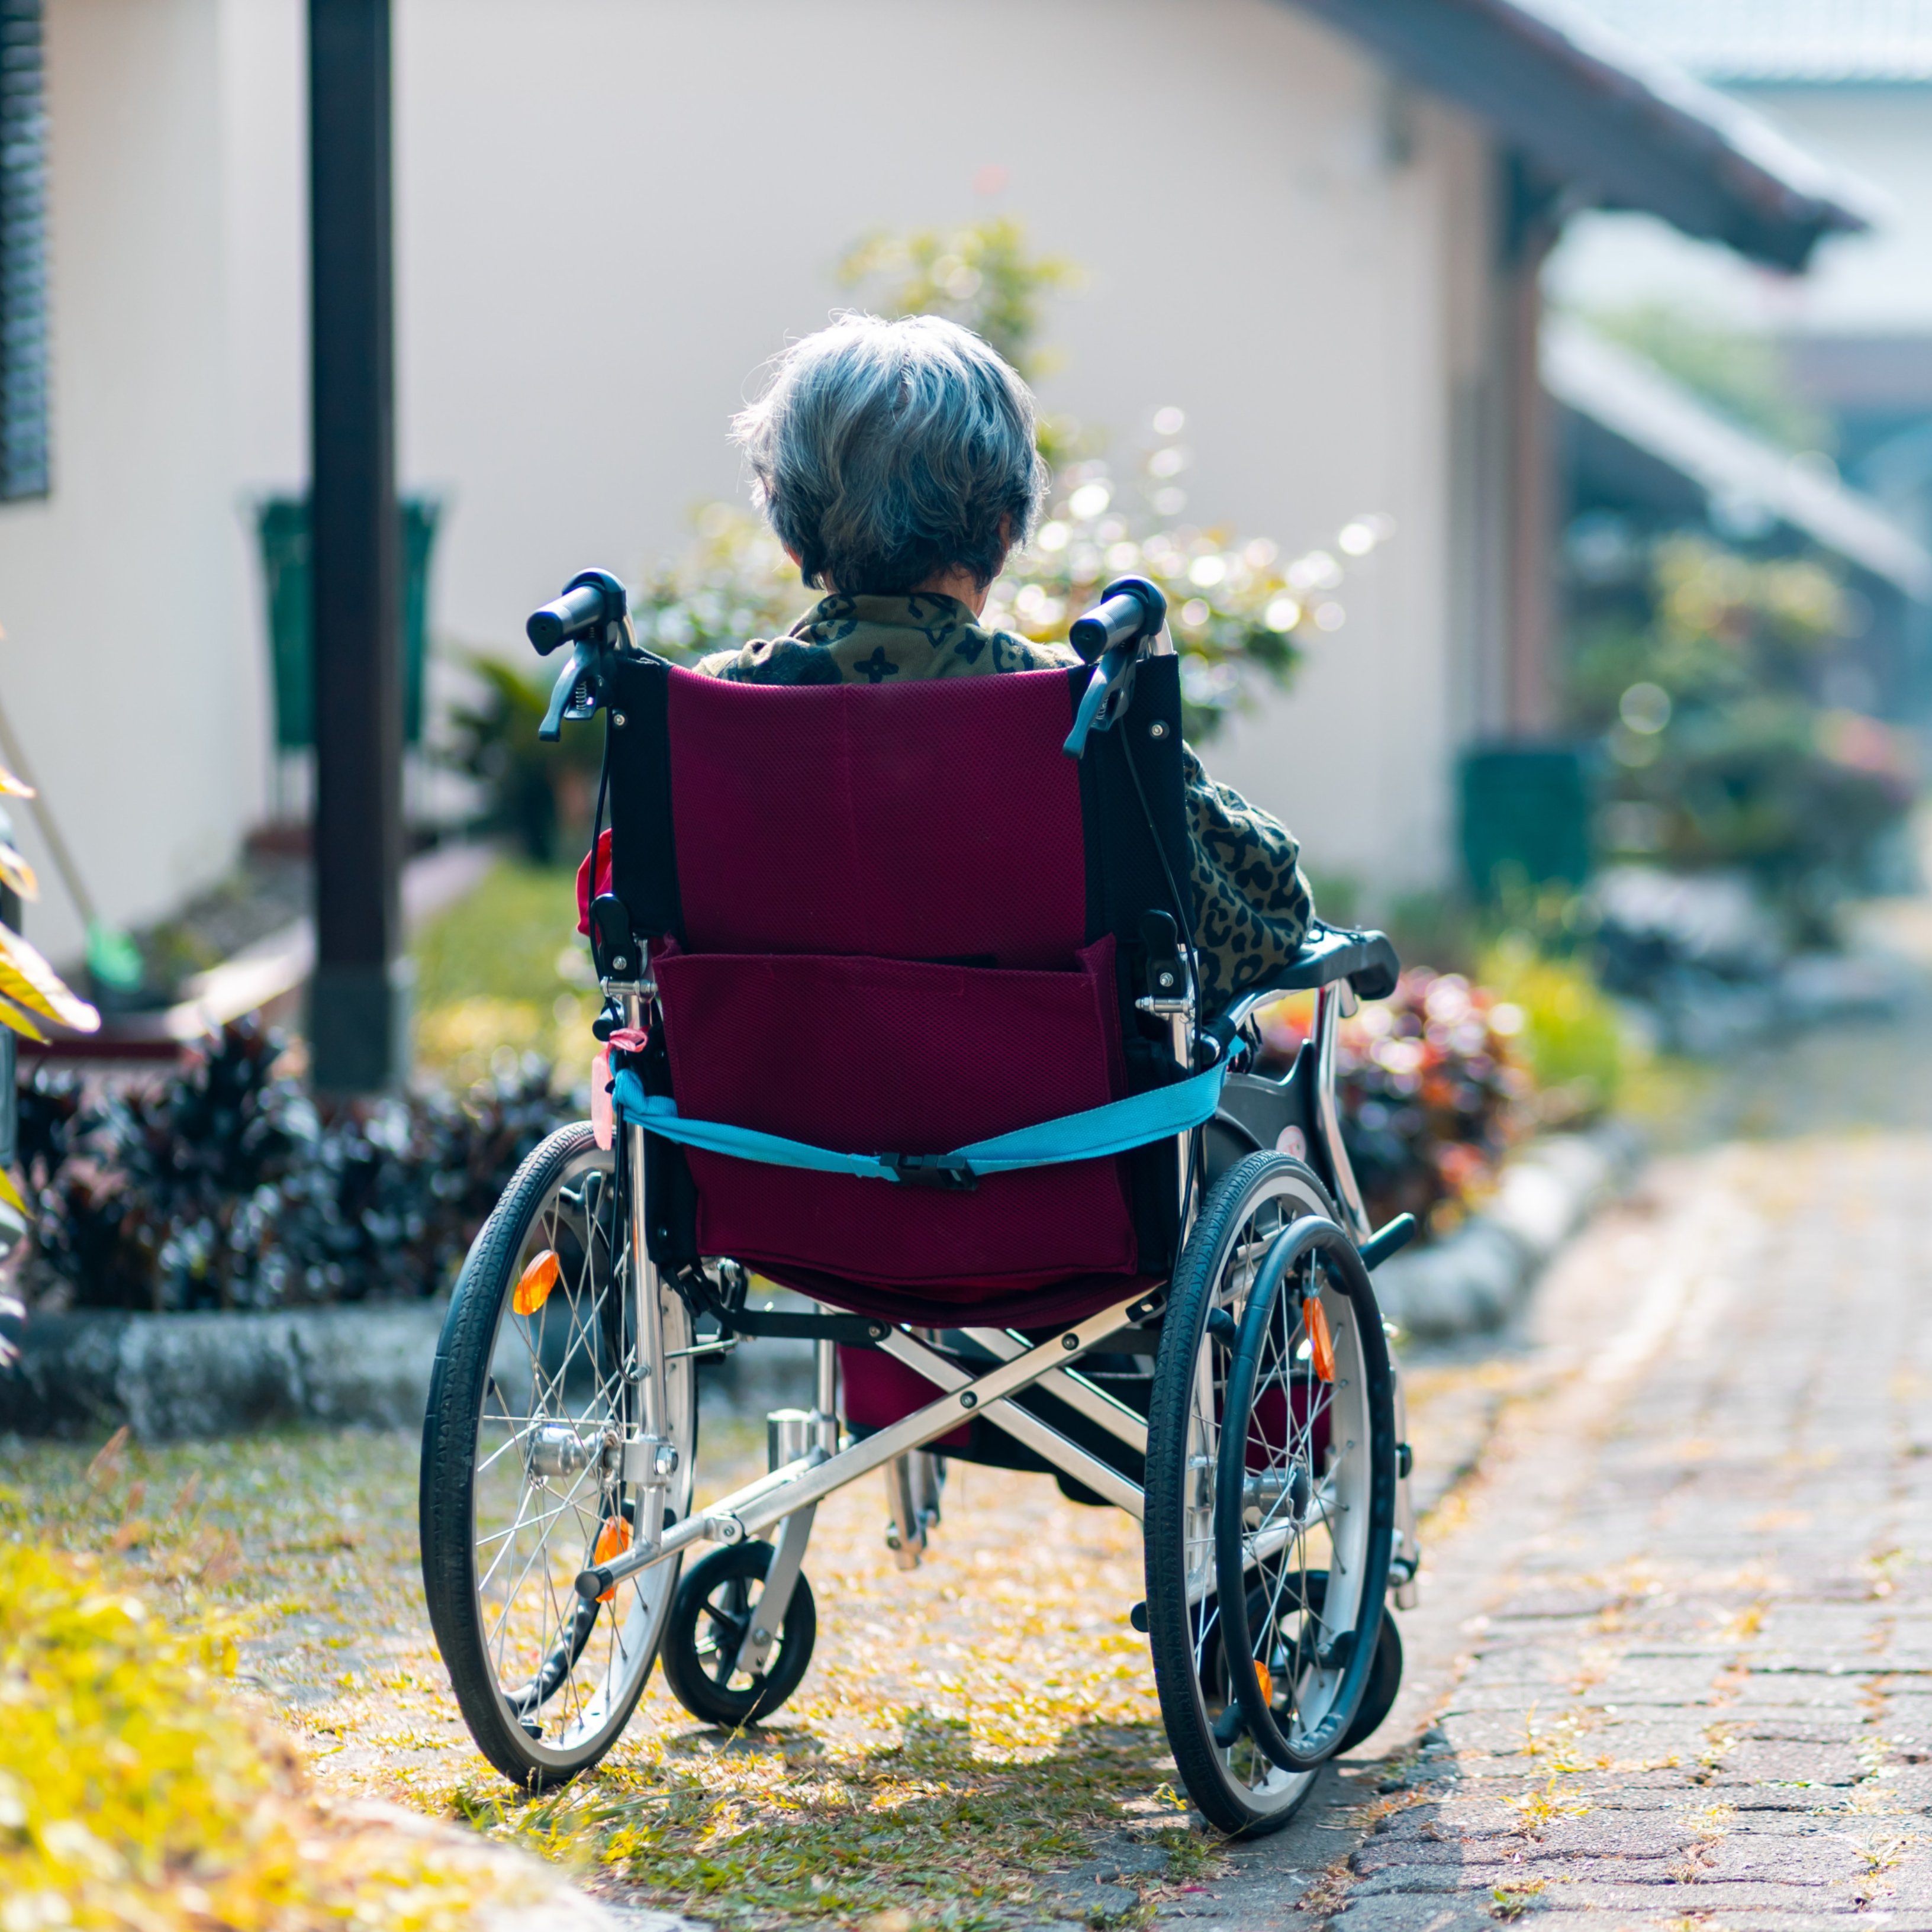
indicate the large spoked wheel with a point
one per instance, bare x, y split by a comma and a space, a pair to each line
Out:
1238, 1788
1304, 1506
535, 1387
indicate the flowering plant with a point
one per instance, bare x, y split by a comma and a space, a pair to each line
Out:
1237, 609
1430, 1088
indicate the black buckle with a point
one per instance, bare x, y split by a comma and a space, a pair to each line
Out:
942, 1171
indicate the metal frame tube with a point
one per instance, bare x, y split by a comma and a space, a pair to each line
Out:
1041, 1437
774, 1600
1084, 1397
760, 1505
1328, 1118
646, 1331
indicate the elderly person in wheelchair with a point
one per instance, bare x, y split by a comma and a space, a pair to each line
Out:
928, 996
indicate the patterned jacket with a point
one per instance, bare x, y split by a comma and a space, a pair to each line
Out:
1252, 907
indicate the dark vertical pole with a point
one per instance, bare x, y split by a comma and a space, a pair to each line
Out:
1532, 227
359, 1010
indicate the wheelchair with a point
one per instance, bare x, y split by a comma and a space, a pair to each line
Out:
901, 1014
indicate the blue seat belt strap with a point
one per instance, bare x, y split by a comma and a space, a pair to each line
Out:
1116, 1128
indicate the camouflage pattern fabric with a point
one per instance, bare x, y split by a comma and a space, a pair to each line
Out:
1252, 907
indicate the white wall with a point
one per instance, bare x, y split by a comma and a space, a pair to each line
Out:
609, 213
607, 226
1878, 283
123, 594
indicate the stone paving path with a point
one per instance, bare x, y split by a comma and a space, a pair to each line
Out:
1675, 1661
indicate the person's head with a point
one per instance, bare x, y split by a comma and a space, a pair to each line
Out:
890, 455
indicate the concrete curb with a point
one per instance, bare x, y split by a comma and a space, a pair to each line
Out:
1475, 1278
174, 1376
170, 1376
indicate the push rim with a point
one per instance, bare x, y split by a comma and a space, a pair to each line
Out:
1298, 1503
559, 1396
1232, 1780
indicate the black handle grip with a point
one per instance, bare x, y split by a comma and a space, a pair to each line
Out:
1112, 675
1130, 608
579, 609
1116, 621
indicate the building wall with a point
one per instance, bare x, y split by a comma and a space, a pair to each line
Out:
123, 669
1360, 757
609, 213
605, 227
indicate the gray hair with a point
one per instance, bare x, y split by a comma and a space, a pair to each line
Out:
885, 453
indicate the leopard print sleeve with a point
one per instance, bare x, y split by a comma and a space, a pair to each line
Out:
1252, 907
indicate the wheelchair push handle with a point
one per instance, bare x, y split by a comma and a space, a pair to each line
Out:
1130, 608
1129, 617
591, 600
593, 617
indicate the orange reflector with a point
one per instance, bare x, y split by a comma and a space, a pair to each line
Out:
1321, 1342
535, 1283
613, 1540
1266, 1682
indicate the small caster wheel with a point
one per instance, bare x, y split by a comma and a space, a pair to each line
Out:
1385, 1681
716, 1603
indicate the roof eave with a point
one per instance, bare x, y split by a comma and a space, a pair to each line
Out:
1622, 128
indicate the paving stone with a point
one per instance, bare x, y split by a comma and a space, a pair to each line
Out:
1401, 1912
1695, 1566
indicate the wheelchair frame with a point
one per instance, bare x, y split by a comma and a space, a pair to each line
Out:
788, 1495
1296, 1116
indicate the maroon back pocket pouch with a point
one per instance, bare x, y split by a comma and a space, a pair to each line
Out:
878, 1056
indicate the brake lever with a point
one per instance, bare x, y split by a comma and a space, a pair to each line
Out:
583, 669
1109, 691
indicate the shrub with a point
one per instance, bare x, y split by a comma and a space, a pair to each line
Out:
1566, 1031
226, 1187
1701, 683
132, 1796
1430, 1089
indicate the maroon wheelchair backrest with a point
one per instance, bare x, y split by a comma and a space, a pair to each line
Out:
939, 821
890, 919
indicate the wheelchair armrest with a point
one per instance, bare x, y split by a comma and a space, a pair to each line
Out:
1366, 960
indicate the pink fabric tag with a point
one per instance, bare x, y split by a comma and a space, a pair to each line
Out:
602, 1123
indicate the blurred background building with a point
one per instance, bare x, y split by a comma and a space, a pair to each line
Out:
1319, 230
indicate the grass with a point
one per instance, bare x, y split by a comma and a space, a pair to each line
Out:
964, 1728
503, 971
134, 1794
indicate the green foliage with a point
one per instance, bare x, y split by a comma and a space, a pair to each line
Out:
981, 276
540, 795
1563, 1025
1742, 375
1235, 608
135, 1797
225, 1186
1717, 754
501, 973
508, 939
734, 584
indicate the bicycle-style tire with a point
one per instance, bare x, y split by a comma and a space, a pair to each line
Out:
1230, 1777
545, 1682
